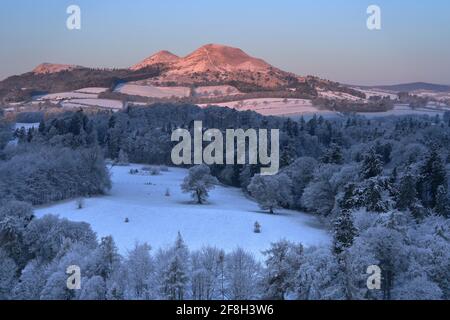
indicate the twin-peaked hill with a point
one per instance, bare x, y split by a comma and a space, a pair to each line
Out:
217, 63
211, 57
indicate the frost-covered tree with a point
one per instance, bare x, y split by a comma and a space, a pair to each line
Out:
372, 165
105, 258
333, 154
417, 288
199, 182
442, 206
432, 175
271, 192
373, 196
122, 158
31, 282
301, 172
39, 175
317, 277
386, 242
432, 250
344, 232
55, 288
46, 243
283, 260
206, 266
407, 192
319, 195
8, 271
173, 271
350, 198
139, 268
242, 276
93, 288
15, 217
5, 131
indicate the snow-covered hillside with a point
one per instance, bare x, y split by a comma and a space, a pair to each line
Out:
226, 222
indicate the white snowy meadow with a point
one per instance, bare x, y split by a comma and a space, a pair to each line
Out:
225, 221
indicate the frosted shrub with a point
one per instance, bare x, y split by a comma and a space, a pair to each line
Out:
122, 159
80, 204
257, 227
154, 171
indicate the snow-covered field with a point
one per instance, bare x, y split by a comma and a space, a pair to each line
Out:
86, 97
85, 93
217, 91
226, 222
94, 90
99, 103
151, 91
274, 106
66, 95
338, 95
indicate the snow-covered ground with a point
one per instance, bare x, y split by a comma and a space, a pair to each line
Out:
226, 221
94, 90
216, 91
274, 106
98, 103
85, 93
65, 96
86, 97
151, 91
337, 95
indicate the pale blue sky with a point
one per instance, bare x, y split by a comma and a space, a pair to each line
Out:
327, 38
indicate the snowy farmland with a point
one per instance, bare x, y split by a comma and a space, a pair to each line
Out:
226, 221
274, 106
96, 103
151, 91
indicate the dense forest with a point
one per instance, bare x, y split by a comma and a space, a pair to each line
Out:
380, 185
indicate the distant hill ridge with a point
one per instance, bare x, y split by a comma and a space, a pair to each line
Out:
413, 86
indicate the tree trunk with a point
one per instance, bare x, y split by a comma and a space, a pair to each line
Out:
199, 198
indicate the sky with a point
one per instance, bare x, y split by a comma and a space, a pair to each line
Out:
326, 38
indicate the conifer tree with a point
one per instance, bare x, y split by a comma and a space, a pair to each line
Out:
333, 154
442, 202
175, 277
344, 232
407, 193
372, 165
432, 175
